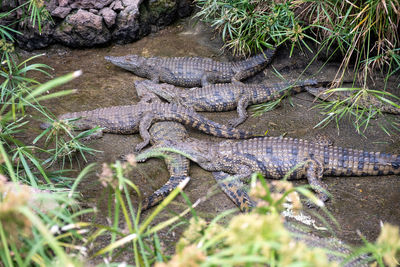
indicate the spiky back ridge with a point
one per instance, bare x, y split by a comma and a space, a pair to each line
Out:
277, 156
183, 66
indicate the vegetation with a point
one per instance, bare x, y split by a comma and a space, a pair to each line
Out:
364, 34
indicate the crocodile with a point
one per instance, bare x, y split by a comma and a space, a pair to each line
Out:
177, 165
227, 96
192, 71
277, 157
364, 100
131, 119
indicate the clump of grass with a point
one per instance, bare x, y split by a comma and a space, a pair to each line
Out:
127, 230
365, 34
247, 26
363, 105
38, 226
67, 144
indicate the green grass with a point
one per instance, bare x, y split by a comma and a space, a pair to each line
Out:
364, 34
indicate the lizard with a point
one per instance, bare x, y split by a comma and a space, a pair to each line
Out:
192, 71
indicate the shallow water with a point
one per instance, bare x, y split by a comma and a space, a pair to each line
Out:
357, 204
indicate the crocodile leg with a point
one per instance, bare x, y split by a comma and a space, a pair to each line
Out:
204, 80
144, 126
241, 109
210, 77
163, 192
314, 171
234, 190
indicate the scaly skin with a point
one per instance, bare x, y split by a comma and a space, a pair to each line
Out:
192, 71
226, 97
364, 101
336, 249
178, 165
276, 157
138, 118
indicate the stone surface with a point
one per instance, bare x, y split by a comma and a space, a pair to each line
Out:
127, 25
63, 3
51, 5
117, 6
33, 39
61, 12
82, 29
87, 23
88, 4
109, 16
94, 11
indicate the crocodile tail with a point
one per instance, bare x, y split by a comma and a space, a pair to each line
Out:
349, 162
191, 118
248, 67
213, 128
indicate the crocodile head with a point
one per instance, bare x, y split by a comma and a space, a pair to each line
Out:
77, 123
164, 90
129, 62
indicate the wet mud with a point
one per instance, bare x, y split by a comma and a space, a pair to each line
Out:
358, 203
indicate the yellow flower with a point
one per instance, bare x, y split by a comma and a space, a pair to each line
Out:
190, 256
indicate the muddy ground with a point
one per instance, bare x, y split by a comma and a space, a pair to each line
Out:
357, 204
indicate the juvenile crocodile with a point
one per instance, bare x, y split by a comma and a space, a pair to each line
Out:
192, 71
227, 96
276, 157
177, 165
138, 118
364, 100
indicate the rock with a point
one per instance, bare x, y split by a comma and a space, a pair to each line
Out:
185, 8
82, 29
117, 6
63, 3
109, 16
127, 3
51, 5
94, 11
88, 4
127, 25
79, 23
61, 12
7, 5
31, 38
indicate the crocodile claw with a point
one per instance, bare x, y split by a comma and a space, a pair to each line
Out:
141, 145
234, 122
